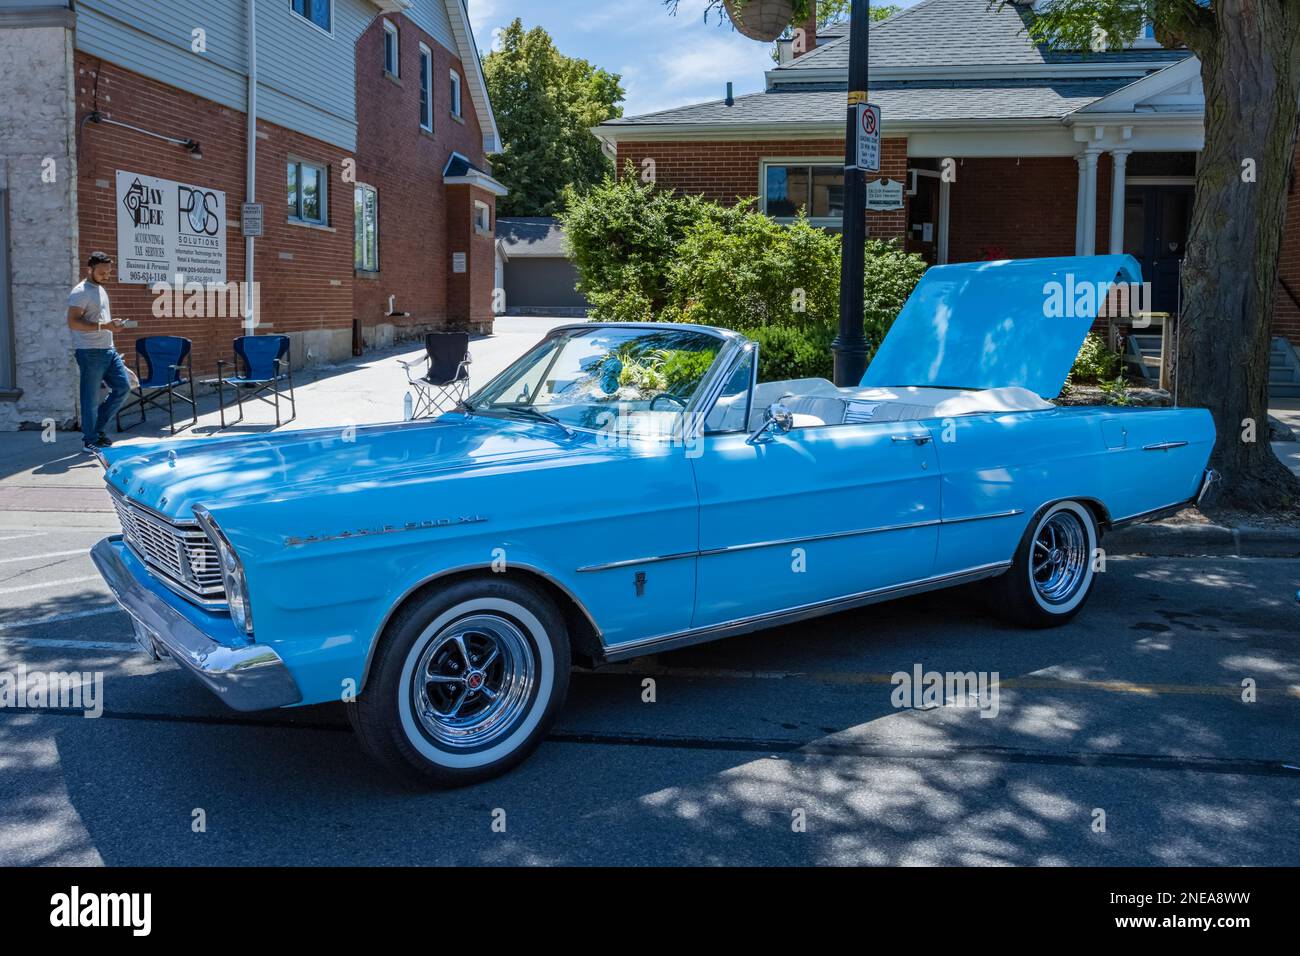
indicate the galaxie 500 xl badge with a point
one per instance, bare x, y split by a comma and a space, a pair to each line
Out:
386, 529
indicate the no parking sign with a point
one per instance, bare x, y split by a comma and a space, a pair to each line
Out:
869, 137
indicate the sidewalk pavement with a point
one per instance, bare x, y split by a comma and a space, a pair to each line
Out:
58, 483
65, 484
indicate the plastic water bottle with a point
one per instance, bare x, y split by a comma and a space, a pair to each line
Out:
407, 407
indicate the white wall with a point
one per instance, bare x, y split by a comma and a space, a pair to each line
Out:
37, 121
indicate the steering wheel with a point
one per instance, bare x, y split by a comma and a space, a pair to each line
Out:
671, 397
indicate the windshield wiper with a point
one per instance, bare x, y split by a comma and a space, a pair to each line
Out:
540, 416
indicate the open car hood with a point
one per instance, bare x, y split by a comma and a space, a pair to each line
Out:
993, 324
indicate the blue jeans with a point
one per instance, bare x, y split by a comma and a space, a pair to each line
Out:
100, 366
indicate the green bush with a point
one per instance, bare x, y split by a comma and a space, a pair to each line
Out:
623, 235
749, 270
683, 369
788, 352
1095, 361
644, 254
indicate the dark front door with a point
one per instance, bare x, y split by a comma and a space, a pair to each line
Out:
1155, 233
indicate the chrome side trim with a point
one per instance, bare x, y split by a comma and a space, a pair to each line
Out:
246, 677
713, 632
781, 542
1163, 445
631, 562
997, 514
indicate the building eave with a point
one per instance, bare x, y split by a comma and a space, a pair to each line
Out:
478, 91
481, 180
827, 129
1029, 71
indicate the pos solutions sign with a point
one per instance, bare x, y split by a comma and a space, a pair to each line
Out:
166, 229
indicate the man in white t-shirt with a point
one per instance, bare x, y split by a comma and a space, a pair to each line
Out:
92, 322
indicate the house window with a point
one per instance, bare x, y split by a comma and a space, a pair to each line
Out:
390, 48
318, 12
308, 193
455, 93
817, 189
365, 204
482, 217
426, 88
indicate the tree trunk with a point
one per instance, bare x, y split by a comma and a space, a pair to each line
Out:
1250, 71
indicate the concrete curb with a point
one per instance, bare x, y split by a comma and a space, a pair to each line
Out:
1177, 541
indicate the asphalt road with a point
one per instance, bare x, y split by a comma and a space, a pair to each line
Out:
1134, 710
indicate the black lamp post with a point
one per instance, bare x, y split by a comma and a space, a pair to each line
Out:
850, 345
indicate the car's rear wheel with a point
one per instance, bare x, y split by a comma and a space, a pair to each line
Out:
465, 683
1053, 571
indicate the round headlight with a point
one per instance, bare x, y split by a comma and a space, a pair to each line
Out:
232, 572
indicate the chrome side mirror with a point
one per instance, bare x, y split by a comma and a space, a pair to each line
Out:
775, 417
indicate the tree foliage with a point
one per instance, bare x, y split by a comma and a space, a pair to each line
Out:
648, 254
545, 105
1249, 53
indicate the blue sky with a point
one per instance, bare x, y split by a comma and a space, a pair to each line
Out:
665, 61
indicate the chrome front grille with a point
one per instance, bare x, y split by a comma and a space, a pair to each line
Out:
184, 556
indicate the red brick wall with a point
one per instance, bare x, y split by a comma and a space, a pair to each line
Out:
728, 171
469, 293
1025, 208
1286, 315
404, 163
305, 273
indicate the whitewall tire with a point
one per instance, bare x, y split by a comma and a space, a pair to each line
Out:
1053, 571
465, 683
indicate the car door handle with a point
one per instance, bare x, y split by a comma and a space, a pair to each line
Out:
919, 439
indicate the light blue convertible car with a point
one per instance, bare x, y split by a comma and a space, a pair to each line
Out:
626, 489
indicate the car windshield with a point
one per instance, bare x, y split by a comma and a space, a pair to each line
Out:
638, 380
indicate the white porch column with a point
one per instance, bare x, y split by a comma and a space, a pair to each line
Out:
1090, 157
941, 253
1079, 207
1119, 160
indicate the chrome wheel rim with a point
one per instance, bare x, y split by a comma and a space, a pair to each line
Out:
1059, 561
474, 681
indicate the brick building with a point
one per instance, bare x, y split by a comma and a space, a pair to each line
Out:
1002, 148
131, 132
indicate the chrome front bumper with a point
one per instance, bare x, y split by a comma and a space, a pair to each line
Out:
245, 676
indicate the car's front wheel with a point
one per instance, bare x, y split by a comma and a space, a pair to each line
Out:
465, 682
1054, 570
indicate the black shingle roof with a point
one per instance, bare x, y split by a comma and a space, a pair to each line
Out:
898, 101
530, 236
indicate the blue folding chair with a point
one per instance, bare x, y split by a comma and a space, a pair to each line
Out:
165, 357
263, 363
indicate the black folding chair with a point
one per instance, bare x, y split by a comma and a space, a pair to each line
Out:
445, 382
165, 356
264, 360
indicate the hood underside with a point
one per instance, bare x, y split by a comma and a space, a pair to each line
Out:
1016, 322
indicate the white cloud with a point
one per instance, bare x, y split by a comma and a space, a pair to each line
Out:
694, 68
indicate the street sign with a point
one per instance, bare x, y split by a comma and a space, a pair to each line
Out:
250, 220
869, 137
